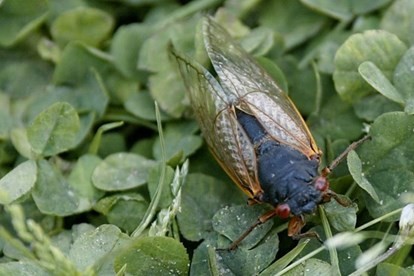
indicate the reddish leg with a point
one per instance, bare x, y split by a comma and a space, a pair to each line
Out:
342, 200
262, 219
338, 160
295, 225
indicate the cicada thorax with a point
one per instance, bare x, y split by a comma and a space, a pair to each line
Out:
289, 179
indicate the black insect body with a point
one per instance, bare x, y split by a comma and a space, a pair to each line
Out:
285, 174
255, 132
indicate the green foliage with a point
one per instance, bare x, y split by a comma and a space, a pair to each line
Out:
154, 255
91, 185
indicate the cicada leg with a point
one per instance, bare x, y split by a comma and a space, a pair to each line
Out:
262, 219
295, 226
256, 199
322, 183
342, 200
338, 160
252, 201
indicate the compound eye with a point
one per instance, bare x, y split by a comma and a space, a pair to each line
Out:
321, 184
283, 210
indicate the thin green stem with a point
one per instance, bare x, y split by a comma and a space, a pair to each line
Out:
150, 213
374, 221
318, 96
333, 254
301, 260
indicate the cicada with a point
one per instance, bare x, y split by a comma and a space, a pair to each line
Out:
255, 131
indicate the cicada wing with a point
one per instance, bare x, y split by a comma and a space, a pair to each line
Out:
216, 116
280, 125
238, 152
241, 76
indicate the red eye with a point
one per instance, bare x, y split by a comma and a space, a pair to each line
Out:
283, 210
321, 184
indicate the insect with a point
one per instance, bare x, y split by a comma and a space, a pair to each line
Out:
255, 131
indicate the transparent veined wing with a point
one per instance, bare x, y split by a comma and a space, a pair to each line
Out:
215, 113
241, 77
